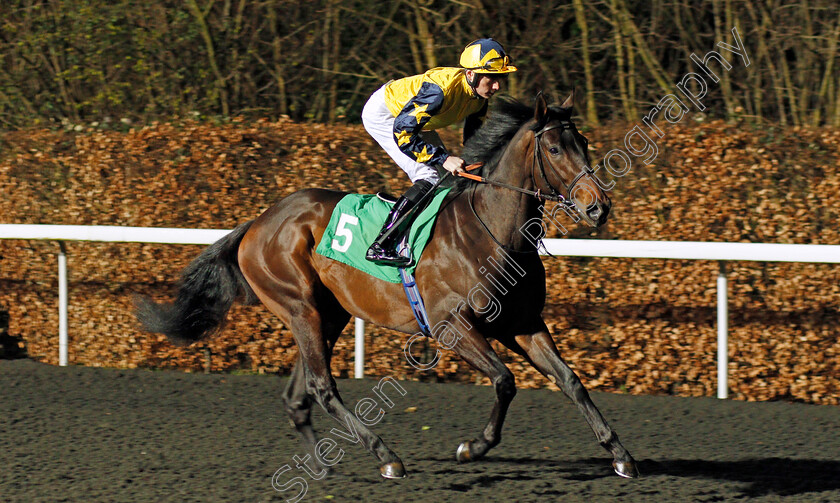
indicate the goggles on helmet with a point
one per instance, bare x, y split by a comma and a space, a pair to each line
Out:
494, 65
486, 56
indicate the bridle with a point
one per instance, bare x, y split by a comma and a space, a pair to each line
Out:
555, 195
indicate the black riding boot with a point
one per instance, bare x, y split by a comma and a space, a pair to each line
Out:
383, 250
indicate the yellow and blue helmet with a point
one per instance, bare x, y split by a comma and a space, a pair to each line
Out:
485, 55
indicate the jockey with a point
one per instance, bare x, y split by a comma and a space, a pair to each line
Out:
403, 114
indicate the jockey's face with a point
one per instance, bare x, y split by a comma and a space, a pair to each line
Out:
489, 84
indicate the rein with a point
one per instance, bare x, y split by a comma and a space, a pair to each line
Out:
538, 161
535, 193
487, 229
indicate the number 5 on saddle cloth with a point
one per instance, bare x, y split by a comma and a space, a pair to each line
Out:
355, 223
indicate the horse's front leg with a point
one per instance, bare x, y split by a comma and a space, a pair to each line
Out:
476, 351
541, 351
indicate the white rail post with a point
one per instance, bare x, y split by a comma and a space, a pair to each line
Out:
62, 304
359, 366
723, 328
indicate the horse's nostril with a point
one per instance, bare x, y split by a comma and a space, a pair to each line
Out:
598, 213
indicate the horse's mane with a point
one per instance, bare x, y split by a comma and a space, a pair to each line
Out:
486, 145
507, 117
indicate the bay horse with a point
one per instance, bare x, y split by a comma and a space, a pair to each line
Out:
272, 259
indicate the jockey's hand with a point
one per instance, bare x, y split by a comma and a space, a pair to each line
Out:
454, 164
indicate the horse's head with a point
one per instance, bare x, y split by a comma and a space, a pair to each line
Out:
561, 162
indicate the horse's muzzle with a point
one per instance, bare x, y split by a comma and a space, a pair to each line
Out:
597, 213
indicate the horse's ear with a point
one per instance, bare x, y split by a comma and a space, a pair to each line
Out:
570, 101
540, 108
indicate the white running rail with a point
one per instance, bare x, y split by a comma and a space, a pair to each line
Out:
686, 250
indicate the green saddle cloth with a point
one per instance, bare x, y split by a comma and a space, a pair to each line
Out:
357, 220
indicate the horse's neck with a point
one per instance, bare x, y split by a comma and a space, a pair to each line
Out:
506, 212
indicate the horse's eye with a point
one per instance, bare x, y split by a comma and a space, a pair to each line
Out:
554, 150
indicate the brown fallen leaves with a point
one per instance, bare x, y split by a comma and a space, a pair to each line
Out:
636, 326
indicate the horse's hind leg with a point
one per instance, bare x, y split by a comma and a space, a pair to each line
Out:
476, 351
315, 360
297, 401
303, 303
541, 351
298, 404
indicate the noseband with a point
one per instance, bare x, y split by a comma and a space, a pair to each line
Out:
555, 195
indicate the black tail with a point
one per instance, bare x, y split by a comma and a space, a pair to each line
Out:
207, 290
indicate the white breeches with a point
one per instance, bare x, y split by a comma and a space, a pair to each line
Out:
379, 123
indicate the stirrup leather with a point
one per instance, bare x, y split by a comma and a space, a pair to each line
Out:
383, 251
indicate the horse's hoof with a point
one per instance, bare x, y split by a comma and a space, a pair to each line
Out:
463, 453
626, 469
393, 470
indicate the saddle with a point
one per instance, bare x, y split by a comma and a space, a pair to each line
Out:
386, 197
355, 222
